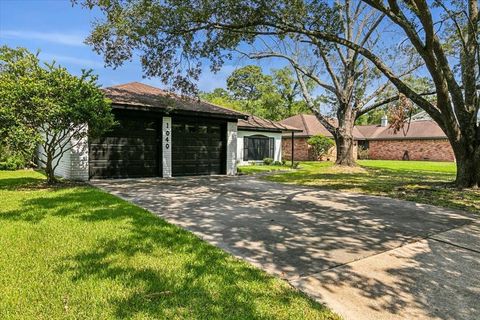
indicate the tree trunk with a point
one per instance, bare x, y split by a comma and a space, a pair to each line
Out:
49, 171
344, 136
344, 146
467, 157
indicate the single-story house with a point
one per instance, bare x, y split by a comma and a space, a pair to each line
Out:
160, 134
259, 138
309, 126
422, 139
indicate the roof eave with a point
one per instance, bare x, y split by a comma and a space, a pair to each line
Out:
168, 111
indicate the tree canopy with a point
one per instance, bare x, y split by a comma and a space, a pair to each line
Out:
49, 105
273, 97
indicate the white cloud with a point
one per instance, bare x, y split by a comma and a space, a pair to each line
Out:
84, 63
69, 39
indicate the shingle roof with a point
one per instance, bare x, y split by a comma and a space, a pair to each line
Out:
310, 126
258, 123
139, 95
420, 129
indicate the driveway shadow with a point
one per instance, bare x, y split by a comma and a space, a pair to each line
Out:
296, 232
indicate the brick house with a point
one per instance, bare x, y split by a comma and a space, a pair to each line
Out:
309, 126
423, 139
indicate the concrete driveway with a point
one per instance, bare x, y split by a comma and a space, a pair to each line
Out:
366, 257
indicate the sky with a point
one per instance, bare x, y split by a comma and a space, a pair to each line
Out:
58, 30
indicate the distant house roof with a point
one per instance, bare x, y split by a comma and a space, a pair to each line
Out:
419, 129
310, 126
136, 95
260, 124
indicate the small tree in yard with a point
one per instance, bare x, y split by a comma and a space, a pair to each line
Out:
54, 107
320, 145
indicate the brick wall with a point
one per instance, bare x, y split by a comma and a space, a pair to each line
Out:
436, 150
303, 151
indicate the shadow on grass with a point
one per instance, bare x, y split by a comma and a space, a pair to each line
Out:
20, 182
165, 271
436, 188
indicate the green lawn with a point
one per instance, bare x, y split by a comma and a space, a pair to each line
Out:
75, 252
259, 168
419, 181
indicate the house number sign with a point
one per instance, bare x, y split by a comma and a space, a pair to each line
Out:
167, 137
166, 146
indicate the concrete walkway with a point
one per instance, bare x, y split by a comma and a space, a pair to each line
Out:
366, 257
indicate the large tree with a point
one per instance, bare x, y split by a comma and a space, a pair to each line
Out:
175, 37
272, 96
49, 104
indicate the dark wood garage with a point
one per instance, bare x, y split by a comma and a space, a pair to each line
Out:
130, 150
198, 147
133, 148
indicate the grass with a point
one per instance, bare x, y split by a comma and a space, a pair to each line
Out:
259, 168
75, 252
419, 181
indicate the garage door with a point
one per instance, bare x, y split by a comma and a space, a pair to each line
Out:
198, 147
129, 150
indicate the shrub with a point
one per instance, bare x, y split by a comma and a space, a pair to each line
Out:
295, 164
362, 153
277, 163
320, 145
12, 163
267, 161
284, 162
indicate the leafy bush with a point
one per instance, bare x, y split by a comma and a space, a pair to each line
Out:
295, 164
320, 145
12, 163
284, 162
267, 161
277, 163
362, 153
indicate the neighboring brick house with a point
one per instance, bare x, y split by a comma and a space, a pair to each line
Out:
423, 139
310, 127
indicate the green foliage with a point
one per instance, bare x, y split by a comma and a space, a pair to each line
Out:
13, 162
372, 117
267, 161
47, 104
277, 163
272, 97
320, 145
295, 164
249, 83
174, 39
